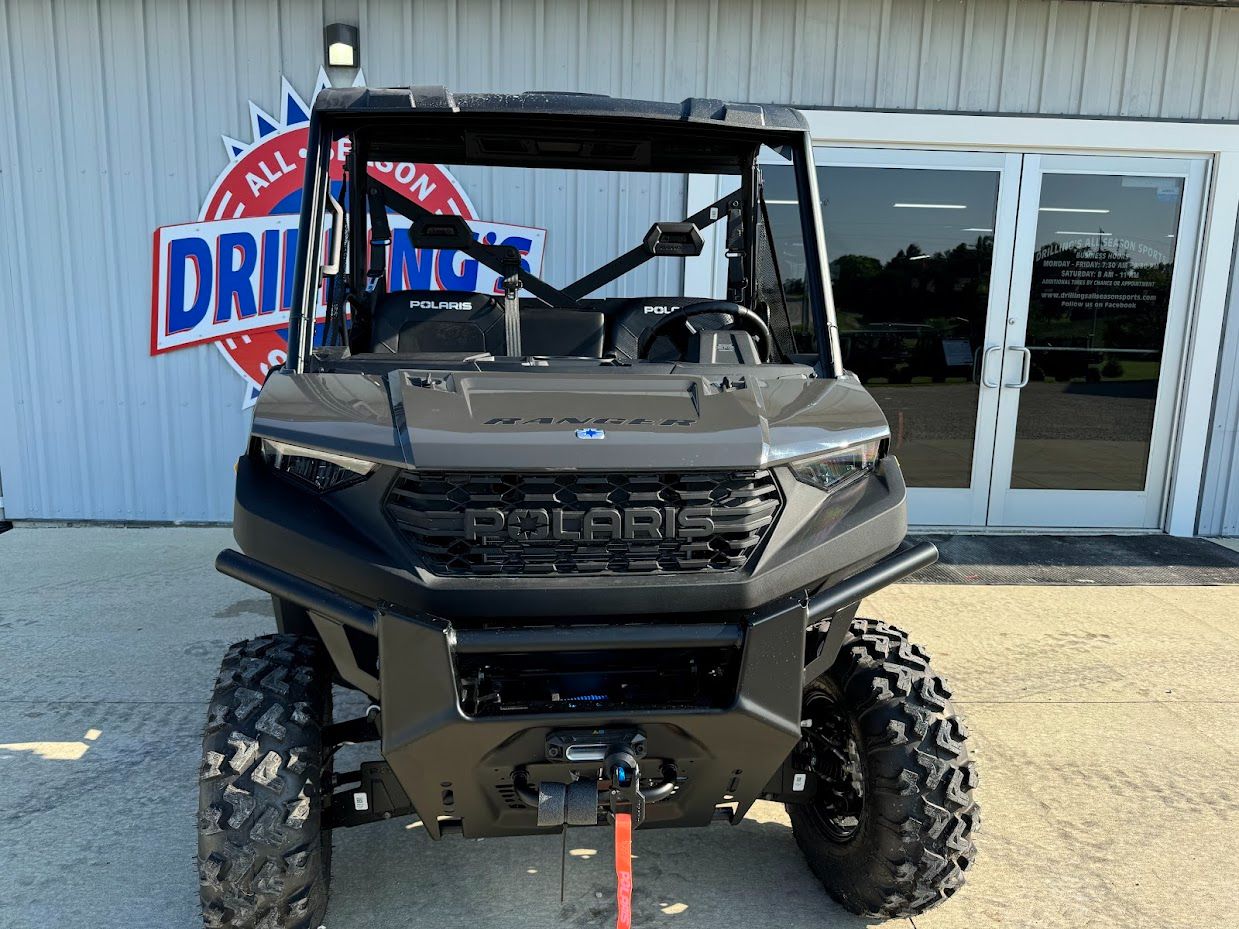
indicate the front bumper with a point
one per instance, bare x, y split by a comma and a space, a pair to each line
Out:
344, 540
459, 768
438, 752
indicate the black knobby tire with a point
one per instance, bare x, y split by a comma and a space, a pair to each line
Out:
263, 856
907, 848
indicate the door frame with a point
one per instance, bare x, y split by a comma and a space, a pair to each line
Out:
1214, 249
1107, 509
963, 506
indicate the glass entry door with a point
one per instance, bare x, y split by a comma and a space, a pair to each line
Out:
1020, 318
1100, 290
919, 246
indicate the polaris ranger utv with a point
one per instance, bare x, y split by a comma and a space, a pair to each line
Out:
593, 560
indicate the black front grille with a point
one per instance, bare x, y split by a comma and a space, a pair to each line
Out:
502, 524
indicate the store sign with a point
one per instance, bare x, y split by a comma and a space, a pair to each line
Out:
1102, 276
227, 279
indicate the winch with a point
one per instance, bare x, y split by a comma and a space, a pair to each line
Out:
615, 786
604, 767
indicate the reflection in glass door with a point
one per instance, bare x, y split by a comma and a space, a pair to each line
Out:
1097, 312
1103, 268
912, 239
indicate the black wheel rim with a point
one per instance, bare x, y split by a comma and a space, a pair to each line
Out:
833, 753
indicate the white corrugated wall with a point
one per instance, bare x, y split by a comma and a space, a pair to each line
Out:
1219, 507
115, 111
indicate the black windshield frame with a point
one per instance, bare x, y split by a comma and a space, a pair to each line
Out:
674, 147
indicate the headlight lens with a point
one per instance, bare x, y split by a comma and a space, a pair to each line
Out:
314, 467
843, 465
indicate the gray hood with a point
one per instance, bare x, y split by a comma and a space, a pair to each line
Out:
589, 420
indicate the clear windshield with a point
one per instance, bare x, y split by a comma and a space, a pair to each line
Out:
621, 267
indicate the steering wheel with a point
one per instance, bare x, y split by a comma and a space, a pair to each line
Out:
742, 316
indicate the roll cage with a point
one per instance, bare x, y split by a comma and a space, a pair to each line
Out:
430, 125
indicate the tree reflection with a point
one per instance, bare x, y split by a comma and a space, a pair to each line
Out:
915, 315
1095, 312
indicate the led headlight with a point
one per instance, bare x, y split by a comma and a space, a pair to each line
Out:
318, 469
843, 465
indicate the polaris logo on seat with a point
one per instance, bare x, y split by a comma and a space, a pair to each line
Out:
440, 305
600, 524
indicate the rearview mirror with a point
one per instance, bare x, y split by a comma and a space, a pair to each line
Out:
678, 240
440, 231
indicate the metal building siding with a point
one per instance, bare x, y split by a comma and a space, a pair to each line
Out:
1219, 507
117, 109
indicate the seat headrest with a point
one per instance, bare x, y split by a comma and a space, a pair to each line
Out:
408, 321
457, 322
630, 318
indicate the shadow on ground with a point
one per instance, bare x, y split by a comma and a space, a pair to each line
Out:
751, 874
393, 874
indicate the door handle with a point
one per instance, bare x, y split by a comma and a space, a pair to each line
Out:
1025, 368
985, 381
337, 236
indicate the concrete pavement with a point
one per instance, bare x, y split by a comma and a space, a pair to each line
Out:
1102, 720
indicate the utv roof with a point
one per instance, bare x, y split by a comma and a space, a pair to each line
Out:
439, 101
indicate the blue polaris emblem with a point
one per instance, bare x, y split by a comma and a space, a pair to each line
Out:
590, 434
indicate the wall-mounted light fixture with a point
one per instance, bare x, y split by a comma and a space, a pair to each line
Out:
342, 45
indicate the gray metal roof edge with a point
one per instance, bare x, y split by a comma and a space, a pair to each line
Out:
432, 99
801, 108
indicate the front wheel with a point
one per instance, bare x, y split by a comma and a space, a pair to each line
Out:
263, 856
889, 829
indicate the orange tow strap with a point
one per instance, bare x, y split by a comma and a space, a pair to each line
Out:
623, 871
